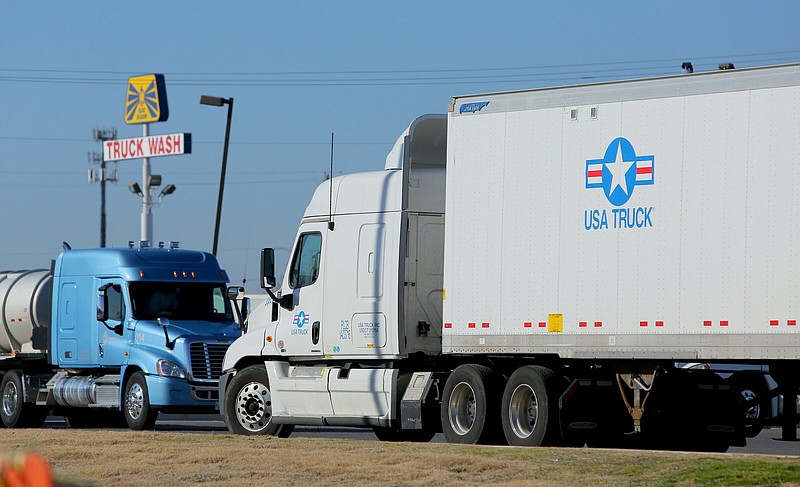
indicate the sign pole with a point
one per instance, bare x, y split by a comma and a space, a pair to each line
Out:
147, 202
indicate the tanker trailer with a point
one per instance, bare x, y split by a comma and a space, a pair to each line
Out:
25, 298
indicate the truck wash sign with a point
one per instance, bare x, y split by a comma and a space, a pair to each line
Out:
618, 174
152, 146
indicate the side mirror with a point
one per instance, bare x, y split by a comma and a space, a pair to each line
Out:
233, 292
267, 268
102, 307
164, 323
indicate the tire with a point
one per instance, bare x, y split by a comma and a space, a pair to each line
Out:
14, 412
138, 413
401, 435
470, 406
755, 392
530, 409
248, 405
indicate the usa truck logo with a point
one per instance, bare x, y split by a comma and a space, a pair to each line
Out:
300, 319
619, 171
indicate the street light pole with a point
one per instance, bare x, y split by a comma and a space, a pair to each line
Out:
218, 102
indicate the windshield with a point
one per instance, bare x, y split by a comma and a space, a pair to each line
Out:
180, 301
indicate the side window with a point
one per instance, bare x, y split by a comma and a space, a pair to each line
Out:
305, 267
116, 305
219, 300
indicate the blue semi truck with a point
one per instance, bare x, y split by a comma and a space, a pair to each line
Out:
107, 334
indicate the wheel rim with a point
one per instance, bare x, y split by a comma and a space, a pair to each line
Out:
135, 401
523, 411
462, 408
254, 407
10, 398
752, 412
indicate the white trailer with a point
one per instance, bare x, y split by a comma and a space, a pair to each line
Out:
594, 236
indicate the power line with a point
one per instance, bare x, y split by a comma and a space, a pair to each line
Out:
416, 71
513, 74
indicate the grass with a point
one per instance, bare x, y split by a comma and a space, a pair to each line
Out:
103, 457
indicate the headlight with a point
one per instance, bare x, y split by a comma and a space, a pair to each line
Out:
169, 369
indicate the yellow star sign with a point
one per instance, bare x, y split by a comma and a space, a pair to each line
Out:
146, 100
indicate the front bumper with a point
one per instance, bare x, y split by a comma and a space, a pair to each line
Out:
166, 392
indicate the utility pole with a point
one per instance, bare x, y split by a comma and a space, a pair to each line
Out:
102, 135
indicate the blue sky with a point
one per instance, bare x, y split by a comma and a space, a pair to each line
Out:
298, 71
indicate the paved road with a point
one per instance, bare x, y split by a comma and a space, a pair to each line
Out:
768, 442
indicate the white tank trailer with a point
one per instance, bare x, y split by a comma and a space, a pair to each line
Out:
25, 306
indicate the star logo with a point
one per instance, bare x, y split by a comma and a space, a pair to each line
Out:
619, 171
300, 319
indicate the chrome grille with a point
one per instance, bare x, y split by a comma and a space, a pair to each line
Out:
206, 360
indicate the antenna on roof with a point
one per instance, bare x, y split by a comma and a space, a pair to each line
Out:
330, 186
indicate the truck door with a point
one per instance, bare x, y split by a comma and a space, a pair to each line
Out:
113, 343
299, 330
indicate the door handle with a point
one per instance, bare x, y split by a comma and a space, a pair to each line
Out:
315, 333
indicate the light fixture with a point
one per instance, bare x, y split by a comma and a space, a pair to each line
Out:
168, 190
216, 101
135, 189
154, 180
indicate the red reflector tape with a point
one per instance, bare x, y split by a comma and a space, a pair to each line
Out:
706, 323
582, 324
528, 324
723, 323
773, 322
792, 322
659, 323
471, 325
642, 323
598, 324
485, 325
542, 324
448, 325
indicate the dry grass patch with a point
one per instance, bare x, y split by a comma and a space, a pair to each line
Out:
121, 458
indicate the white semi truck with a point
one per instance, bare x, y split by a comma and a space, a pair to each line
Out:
530, 268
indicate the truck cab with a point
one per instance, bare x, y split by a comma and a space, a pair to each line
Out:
132, 330
363, 288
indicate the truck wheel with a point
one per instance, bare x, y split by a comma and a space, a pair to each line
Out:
470, 407
529, 413
754, 391
248, 405
15, 413
138, 413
